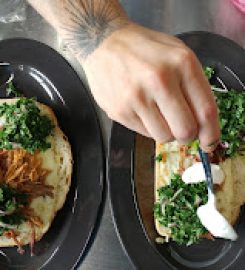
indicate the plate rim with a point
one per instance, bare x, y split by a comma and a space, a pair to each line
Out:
91, 234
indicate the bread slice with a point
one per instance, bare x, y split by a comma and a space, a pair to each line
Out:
58, 160
229, 196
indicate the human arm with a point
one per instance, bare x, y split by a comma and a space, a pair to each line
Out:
148, 81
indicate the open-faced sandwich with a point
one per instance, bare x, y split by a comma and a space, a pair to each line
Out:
35, 170
180, 186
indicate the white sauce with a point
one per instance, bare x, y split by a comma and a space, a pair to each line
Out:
214, 221
196, 174
209, 216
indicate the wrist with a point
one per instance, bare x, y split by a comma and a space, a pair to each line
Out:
84, 30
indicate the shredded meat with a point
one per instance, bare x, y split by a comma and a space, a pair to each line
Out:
208, 236
217, 155
23, 171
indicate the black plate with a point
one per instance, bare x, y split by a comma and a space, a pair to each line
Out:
131, 181
43, 73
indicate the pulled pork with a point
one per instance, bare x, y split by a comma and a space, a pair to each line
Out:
23, 171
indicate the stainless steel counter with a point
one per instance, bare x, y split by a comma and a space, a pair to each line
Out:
171, 16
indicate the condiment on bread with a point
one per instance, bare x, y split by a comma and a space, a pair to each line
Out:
214, 221
196, 174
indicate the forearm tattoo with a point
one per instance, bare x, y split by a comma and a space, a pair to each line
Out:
86, 23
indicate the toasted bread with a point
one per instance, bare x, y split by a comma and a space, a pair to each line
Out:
230, 196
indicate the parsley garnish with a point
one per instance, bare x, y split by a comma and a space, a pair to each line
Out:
209, 72
232, 121
25, 126
193, 147
231, 106
158, 157
176, 209
11, 90
11, 202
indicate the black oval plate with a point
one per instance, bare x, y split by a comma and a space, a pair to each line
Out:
229, 60
43, 73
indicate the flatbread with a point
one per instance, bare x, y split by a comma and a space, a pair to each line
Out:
58, 159
230, 196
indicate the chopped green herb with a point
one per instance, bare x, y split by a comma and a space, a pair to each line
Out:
1, 195
11, 202
11, 90
159, 157
24, 126
176, 209
231, 106
232, 121
209, 72
193, 147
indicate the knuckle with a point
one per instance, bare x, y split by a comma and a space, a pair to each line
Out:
178, 41
117, 114
186, 135
152, 74
157, 76
185, 56
136, 95
159, 80
209, 113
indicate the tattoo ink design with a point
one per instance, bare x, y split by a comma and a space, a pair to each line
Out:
86, 23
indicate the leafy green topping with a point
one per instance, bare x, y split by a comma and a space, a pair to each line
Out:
24, 125
193, 147
232, 121
209, 72
11, 202
11, 90
231, 106
177, 207
159, 157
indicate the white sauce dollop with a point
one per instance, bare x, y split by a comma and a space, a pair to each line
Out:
214, 221
196, 174
209, 216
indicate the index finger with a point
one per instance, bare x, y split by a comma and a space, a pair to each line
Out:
201, 99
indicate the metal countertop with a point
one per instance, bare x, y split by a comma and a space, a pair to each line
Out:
170, 16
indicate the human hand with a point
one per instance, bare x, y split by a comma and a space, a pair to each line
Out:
152, 83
